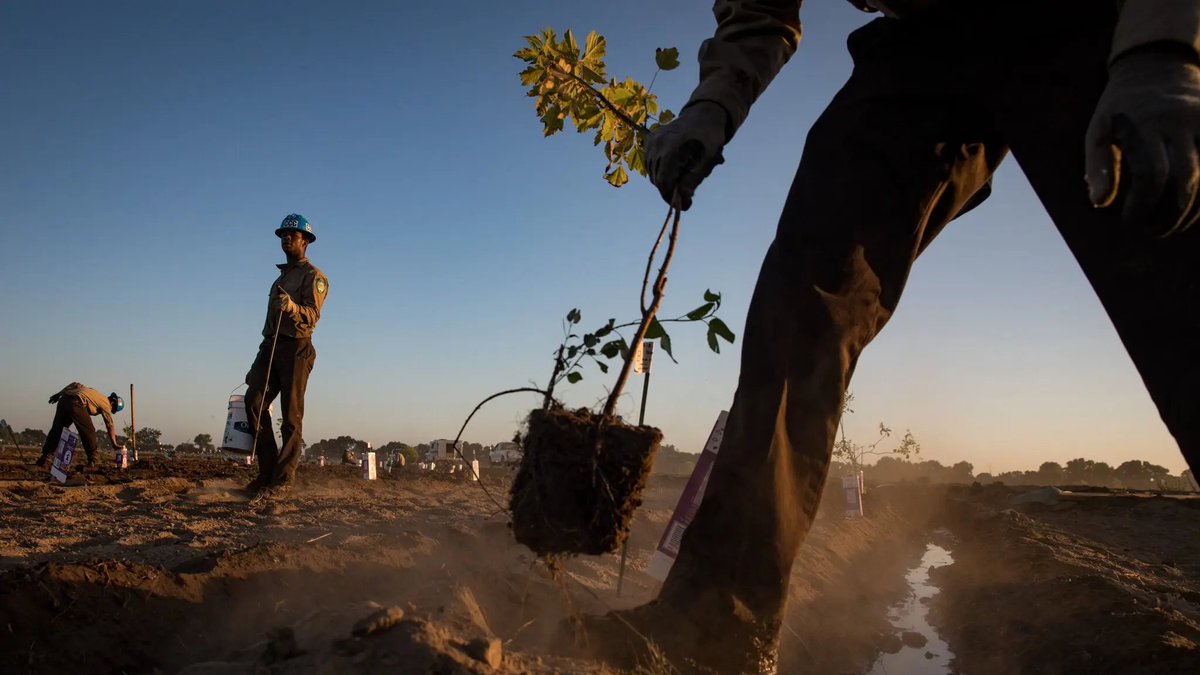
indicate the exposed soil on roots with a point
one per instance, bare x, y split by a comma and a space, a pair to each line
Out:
571, 496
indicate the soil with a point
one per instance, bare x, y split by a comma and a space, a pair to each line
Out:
170, 570
566, 497
1098, 582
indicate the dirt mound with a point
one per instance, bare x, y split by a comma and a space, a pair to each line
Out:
1081, 586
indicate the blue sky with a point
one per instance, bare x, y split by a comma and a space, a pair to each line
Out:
150, 149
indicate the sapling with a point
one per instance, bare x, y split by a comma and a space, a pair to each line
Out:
582, 473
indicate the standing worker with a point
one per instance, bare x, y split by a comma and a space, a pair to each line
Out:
76, 404
285, 358
1098, 100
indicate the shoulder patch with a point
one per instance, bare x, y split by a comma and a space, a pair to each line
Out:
321, 285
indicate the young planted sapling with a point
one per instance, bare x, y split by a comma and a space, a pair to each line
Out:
582, 473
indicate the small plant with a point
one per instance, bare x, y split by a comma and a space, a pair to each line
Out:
607, 342
853, 454
582, 473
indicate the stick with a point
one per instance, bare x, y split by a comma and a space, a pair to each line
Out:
660, 283
464, 428
266, 383
641, 422
132, 424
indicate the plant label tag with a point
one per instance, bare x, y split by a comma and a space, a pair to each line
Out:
63, 453
852, 487
689, 502
643, 356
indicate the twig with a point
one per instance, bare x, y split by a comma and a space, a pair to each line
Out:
660, 283
468, 421
650, 260
318, 538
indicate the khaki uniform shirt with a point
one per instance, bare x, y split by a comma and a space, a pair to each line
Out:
755, 38
308, 288
95, 402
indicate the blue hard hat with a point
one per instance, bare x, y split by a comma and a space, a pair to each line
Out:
117, 403
295, 221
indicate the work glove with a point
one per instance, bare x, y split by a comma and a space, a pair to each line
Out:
286, 304
54, 399
681, 154
1142, 141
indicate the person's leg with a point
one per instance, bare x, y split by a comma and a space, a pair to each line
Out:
259, 394
62, 417
1149, 287
898, 154
296, 365
85, 428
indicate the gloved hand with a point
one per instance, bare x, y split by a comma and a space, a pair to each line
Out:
1147, 122
681, 154
286, 304
54, 399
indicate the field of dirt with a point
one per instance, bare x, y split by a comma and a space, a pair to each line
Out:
166, 568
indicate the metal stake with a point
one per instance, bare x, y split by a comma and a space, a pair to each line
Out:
625, 544
266, 385
132, 424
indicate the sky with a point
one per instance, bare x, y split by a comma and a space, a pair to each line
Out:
149, 149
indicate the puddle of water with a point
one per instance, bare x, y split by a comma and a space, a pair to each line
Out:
912, 615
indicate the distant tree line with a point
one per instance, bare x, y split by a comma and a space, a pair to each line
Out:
1134, 474
893, 467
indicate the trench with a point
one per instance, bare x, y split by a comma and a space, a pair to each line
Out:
922, 649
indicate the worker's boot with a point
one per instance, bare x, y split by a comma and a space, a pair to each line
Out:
691, 639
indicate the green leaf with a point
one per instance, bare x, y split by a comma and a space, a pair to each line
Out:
606, 329
718, 326
572, 351
700, 312
553, 121
574, 316
611, 349
667, 59
619, 95
712, 342
617, 177
709, 296
666, 117
594, 46
590, 340
574, 376
665, 341
603, 366
655, 330
532, 75
637, 160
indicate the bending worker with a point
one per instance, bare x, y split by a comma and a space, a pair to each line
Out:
76, 405
941, 91
285, 358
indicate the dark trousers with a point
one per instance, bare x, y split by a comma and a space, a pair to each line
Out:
71, 410
908, 144
294, 358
